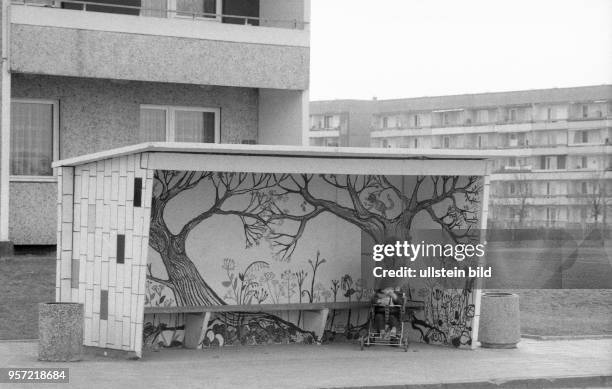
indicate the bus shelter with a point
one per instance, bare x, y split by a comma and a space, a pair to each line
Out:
211, 245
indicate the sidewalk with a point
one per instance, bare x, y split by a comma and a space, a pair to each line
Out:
572, 363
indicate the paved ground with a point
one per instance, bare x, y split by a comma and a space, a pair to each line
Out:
340, 365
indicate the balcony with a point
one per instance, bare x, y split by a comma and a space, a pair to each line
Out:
589, 123
270, 50
399, 132
323, 133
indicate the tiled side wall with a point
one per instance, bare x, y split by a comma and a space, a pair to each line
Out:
94, 211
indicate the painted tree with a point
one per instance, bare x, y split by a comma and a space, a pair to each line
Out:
373, 203
184, 279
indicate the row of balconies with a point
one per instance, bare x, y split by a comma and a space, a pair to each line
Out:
460, 121
501, 127
231, 45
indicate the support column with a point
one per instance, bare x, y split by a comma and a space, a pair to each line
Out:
6, 246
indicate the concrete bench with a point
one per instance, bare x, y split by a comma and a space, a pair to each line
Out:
198, 317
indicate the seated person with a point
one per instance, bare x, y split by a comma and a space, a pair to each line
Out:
386, 319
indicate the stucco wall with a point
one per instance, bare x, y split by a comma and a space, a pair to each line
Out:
32, 211
98, 115
103, 54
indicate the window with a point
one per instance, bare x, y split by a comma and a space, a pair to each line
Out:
480, 141
551, 214
549, 114
198, 8
513, 115
34, 137
417, 121
583, 163
482, 116
445, 119
512, 189
179, 124
561, 159
581, 137
416, 143
584, 188
446, 142
585, 111
385, 122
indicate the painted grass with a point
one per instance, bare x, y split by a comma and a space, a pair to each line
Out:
27, 280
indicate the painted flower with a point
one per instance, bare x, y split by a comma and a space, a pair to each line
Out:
229, 264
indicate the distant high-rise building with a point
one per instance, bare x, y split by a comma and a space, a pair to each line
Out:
560, 173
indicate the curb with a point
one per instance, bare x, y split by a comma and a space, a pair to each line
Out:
565, 337
514, 383
18, 340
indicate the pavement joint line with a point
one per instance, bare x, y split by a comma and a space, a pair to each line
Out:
597, 381
566, 337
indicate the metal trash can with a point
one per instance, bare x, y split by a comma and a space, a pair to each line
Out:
500, 321
60, 331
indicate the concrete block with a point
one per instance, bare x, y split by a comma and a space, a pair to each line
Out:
89, 275
60, 329
122, 189
115, 186
95, 329
98, 242
89, 303
96, 300
100, 185
121, 219
118, 341
91, 196
107, 167
104, 275
126, 332
77, 187
127, 302
103, 333
87, 326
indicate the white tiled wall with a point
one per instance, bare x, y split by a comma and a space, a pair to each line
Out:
95, 205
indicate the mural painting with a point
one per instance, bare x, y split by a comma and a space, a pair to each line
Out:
220, 238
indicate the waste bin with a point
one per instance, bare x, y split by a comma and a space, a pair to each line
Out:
60, 331
500, 322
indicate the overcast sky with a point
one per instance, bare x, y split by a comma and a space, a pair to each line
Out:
407, 48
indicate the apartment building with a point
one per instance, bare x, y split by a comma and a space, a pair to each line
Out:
330, 122
79, 78
555, 148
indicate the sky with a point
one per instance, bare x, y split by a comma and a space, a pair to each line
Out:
410, 48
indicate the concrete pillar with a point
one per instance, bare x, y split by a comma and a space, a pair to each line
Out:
283, 117
6, 246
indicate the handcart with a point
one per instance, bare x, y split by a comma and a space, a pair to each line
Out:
400, 339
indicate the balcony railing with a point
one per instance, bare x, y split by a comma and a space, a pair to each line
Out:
164, 12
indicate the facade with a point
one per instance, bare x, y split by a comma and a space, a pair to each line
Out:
79, 78
340, 123
555, 148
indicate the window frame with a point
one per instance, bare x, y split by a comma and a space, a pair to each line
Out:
54, 140
174, 13
171, 116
